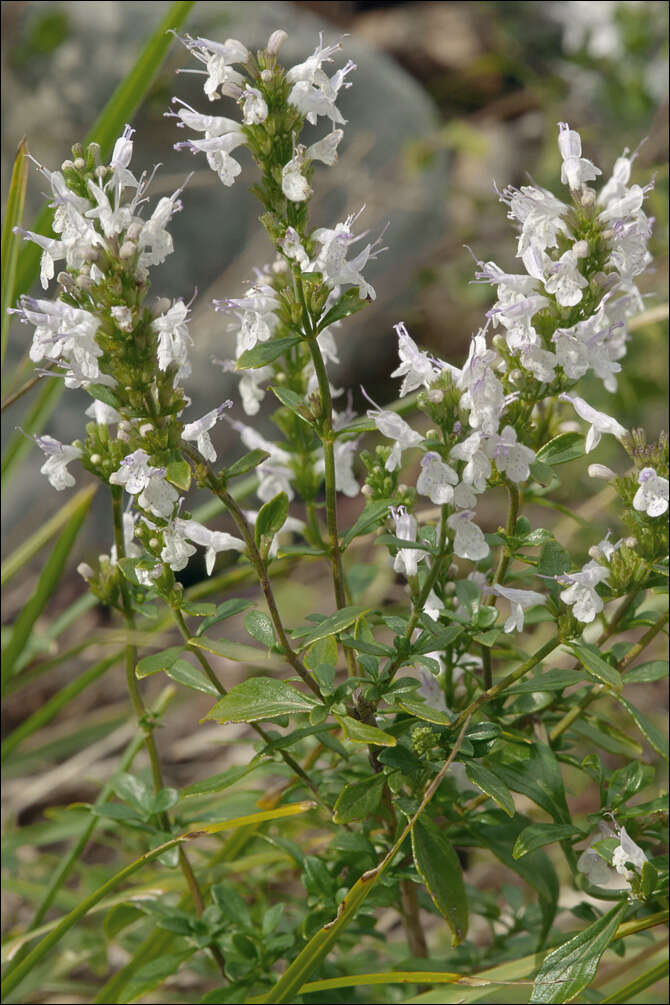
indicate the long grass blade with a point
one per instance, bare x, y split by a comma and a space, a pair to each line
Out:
11, 242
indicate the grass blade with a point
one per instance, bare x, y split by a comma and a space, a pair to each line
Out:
46, 585
20, 445
25, 551
11, 242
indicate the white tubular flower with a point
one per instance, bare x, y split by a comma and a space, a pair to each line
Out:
436, 479
154, 241
114, 217
598, 871
218, 150
123, 317
254, 107
540, 214
198, 431
540, 362
291, 246
173, 339
565, 280
325, 150
520, 601
345, 480
576, 170
58, 457
331, 259
601, 471
130, 549
469, 540
251, 391
274, 474
256, 314
393, 427
294, 185
616, 187
652, 496
313, 92
629, 853
416, 367
219, 58
158, 496
433, 606
484, 394
581, 595
600, 423
213, 541
407, 560
176, 550
478, 467
135, 472
511, 458
64, 335
53, 251
101, 413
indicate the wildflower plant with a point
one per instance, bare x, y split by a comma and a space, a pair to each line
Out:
418, 735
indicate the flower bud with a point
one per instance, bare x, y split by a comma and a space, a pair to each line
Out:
124, 430
134, 231
154, 542
587, 197
434, 395
85, 571
96, 459
266, 76
231, 90
275, 41
79, 164
100, 171
67, 165
83, 281
128, 250
146, 428
601, 471
366, 491
630, 542
580, 249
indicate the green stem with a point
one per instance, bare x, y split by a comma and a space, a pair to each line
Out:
505, 556
214, 680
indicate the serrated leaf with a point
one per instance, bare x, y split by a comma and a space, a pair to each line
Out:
652, 734
271, 517
538, 835
259, 626
440, 869
179, 474
568, 970
228, 609
561, 449
330, 626
294, 402
158, 662
493, 786
361, 732
265, 352
348, 304
597, 667
260, 698
359, 799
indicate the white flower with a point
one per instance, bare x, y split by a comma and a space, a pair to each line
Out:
101, 413
345, 454
565, 280
173, 339
469, 540
274, 474
254, 107
576, 170
436, 479
154, 241
64, 335
539, 213
581, 595
213, 541
627, 852
58, 457
313, 92
158, 496
332, 258
294, 185
478, 468
433, 606
652, 496
176, 550
417, 368
130, 549
407, 560
325, 150
484, 394
393, 427
291, 246
134, 473
251, 391
199, 431
123, 317
218, 149
520, 601
511, 458
256, 314
219, 58
600, 423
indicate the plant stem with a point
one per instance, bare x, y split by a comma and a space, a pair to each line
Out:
146, 725
410, 913
214, 680
505, 557
11, 398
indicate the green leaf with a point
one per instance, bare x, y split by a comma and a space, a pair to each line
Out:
265, 352
491, 785
533, 771
259, 626
414, 705
179, 474
185, 673
260, 698
440, 869
563, 448
223, 780
295, 402
542, 473
372, 516
271, 517
133, 790
11, 242
47, 583
330, 626
568, 970
359, 799
596, 666
322, 652
538, 835
158, 662
652, 734
105, 394
646, 673
246, 463
228, 609
348, 304
361, 732
31, 424
554, 559
606, 736
552, 680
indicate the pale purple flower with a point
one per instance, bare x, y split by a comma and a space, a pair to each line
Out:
511, 457
436, 479
58, 455
469, 540
406, 527
520, 601
599, 422
581, 594
198, 431
416, 367
652, 496
173, 339
576, 170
